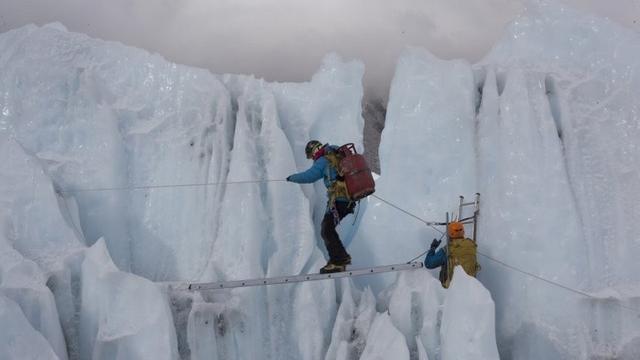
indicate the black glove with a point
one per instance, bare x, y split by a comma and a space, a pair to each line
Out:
288, 178
435, 243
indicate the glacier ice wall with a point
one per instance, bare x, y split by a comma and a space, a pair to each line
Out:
578, 97
423, 134
94, 138
545, 128
590, 77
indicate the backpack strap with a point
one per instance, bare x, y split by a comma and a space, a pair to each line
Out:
338, 188
332, 155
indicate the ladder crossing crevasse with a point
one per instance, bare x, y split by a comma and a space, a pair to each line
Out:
300, 278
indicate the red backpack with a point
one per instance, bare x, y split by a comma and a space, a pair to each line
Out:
355, 171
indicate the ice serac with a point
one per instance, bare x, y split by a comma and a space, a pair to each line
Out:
528, 152
244, 233
123, 316
265, 226
353, 321
560, 97
159, 124
103, 116
468, 320
18, 339
178, 127
327, 108
427, 159
415, 306
60, 113
32, 218
22, 281
385, 341
591, 77
37, 246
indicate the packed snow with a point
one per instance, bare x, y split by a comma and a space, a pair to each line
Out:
94, 234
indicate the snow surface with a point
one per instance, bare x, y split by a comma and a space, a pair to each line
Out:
545, 128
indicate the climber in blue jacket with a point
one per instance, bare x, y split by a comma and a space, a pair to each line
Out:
338, 205
459, 251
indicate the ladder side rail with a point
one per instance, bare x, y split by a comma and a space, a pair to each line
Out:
302, 278
476, 212
446, 231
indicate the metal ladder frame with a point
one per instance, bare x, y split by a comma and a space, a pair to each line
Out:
350, 273
299, 278
474, 219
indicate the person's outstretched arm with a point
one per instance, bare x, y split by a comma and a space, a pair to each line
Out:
313, 174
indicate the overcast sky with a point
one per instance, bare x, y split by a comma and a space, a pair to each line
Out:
285, 40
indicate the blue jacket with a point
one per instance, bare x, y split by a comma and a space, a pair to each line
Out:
435, 259
321, 168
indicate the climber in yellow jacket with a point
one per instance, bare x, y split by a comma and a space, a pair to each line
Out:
459, 251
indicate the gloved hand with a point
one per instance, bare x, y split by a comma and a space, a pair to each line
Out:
288, 178
435, 243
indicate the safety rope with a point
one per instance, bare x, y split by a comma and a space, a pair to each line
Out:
146, 187
431, 224
424, 252
508, 266
540, 278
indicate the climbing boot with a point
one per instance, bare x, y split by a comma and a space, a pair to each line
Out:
332, 268
345, 261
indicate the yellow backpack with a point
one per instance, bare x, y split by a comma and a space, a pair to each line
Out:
461, 252
338, 188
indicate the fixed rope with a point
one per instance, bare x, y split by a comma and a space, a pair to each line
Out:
551, 282
539, 278
431, 224
505, 265
424, 252
166, 186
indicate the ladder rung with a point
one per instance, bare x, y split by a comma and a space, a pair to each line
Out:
469, 203
302, 278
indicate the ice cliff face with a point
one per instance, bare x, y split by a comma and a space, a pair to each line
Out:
92, 131
576, 77
546, 136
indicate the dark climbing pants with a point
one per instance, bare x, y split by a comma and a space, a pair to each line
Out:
328, 230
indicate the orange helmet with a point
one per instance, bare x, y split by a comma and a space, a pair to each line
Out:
455, 230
